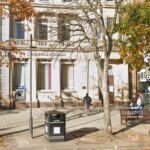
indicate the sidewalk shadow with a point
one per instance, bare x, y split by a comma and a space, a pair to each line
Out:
83, 114
19, 131
131, 125
5, 112
79, 133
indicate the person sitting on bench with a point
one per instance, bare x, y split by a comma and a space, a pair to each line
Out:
139, 104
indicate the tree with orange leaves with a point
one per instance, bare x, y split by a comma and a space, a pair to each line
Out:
135, 27
21, 10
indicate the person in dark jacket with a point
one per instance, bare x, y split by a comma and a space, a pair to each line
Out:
87, 102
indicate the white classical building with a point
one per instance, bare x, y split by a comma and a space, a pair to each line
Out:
56, 74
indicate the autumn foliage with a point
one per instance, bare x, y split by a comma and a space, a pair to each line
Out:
135, 28
21, 9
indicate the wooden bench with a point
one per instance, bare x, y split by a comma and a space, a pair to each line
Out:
127, 114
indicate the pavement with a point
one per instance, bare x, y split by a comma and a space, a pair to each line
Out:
14, 128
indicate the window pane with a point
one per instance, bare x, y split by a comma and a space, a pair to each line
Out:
63, 30
99, 32
109, 22
19, 75
41, 76
44, 77
19, 34
41, 29
67, 76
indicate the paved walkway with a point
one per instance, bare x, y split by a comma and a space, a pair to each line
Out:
14, 126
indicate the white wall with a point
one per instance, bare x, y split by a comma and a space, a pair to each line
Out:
4, 81
4, 72
5, 29
120, 72
93, 80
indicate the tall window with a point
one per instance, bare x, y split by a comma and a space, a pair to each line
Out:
67, 76
44, 76
142, 75
109, 22
19, 75
63, 30
41, 29
19, 30
99, 33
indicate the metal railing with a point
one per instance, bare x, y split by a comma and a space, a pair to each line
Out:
48, 44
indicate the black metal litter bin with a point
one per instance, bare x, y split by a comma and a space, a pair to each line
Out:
55, 125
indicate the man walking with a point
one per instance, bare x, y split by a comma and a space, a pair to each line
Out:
87, 102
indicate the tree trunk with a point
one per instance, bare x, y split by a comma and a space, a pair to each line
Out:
103, 84
107, 113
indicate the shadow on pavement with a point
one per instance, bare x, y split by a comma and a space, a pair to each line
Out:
20, 131
83, 114
5, 128
5, 112
37, 136
132, 124
79, 133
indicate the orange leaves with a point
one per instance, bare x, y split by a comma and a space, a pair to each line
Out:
132, 54
22, 9
8, 50
135, 26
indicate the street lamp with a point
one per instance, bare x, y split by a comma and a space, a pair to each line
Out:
31, 117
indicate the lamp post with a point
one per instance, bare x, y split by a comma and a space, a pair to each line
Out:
31, 118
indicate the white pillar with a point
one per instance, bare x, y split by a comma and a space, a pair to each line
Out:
4, 82
56, 71
33, 81
5, 29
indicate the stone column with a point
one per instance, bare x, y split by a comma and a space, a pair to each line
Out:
56, 73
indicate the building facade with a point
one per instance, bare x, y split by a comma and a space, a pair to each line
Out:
57, 74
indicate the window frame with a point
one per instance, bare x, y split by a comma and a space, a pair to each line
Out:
110, 20
49, 76
73, 77
25, 63
63, 30
21, 25
38, 27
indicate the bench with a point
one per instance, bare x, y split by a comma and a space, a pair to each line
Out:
127, 114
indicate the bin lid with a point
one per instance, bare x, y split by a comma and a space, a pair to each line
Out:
54, 112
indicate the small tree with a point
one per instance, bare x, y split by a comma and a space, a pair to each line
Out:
87, 21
